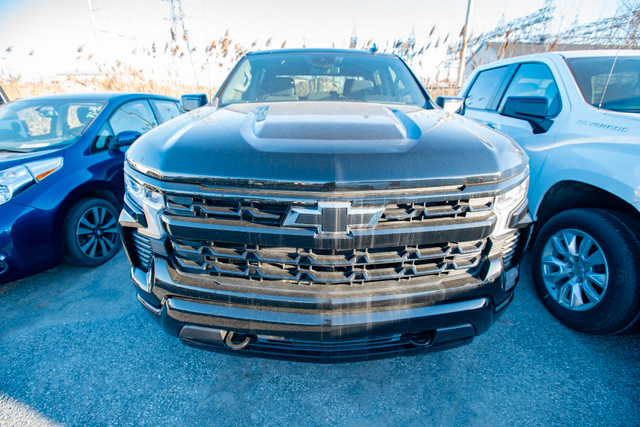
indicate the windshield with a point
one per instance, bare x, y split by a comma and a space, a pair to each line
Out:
30, 125
322, 76
609, 82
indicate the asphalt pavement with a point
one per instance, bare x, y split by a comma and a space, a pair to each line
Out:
76, 348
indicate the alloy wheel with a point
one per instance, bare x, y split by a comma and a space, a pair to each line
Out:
97, 232
574, 269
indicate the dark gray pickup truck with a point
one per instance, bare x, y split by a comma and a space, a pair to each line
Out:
322, 208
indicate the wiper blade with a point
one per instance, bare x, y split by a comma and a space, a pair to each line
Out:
10, 150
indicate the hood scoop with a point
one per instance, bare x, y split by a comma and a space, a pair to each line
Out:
329, 121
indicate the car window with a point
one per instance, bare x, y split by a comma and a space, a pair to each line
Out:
535, 79
134, 115
103, 138
167, 110
317, 76
36, 124
609, 82
483, 88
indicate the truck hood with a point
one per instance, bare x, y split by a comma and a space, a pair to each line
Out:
325, 142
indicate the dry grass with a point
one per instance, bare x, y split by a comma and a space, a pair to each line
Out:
118, 78
446, 90
128, 79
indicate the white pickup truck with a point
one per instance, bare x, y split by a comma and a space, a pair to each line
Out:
577, 116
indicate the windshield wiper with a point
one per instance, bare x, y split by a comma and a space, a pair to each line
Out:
10, 150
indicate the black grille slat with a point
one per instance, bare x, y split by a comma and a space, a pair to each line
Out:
274, 213
142, 249
240, 238
326, 267
217, 208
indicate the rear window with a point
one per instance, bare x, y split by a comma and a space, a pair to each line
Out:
608, 82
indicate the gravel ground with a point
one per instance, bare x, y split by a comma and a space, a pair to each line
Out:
76, 348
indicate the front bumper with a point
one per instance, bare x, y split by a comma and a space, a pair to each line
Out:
184, 269
329, 327
26, 241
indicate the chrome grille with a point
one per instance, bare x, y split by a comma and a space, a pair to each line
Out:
427, 210
273, 213
305, 266
243, 210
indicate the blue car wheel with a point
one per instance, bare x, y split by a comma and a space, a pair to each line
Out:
91, 232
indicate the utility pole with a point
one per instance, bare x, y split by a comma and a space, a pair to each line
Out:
463, 51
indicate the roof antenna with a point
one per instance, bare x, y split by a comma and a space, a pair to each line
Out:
374, 49
606, 85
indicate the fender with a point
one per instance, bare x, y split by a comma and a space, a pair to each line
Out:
612, 167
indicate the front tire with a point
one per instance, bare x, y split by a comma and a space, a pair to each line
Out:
91, 232
586, 269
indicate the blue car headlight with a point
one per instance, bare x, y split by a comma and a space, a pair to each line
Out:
15, 178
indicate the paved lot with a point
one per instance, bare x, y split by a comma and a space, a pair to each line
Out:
77, 349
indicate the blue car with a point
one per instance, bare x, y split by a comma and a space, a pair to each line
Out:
61, 176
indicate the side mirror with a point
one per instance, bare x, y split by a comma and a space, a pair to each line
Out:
533, 109
192, 101
124, 138
452, 104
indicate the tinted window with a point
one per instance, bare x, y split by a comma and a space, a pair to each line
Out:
608, 82
322, 76
535, 79
135, 115
483, 88
167, 110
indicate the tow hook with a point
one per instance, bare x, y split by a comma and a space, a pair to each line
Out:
420, 339
239, 343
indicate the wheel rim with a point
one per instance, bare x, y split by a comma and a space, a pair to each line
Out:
574, 269
97, 232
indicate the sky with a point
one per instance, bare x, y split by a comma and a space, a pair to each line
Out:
40, 39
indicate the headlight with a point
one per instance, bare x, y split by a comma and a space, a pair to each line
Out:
13, 179
142, 195
150, 202
506, 203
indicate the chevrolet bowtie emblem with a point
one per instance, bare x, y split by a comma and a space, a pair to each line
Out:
333, 217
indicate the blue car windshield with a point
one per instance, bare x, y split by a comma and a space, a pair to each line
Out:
322, 76
29, 125
608, 82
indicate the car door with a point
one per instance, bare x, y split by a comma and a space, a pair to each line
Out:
524, 79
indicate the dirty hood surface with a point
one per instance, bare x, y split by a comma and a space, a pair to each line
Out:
325, 142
